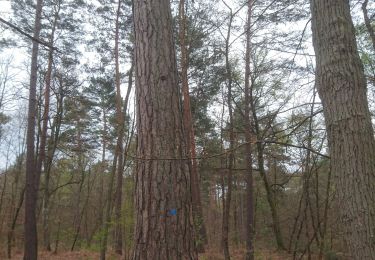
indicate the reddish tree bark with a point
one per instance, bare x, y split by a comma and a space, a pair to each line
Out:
189, 134
164, 225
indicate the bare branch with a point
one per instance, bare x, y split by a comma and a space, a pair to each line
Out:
27, 35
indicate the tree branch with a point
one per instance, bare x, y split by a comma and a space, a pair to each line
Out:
297, 146
27, 35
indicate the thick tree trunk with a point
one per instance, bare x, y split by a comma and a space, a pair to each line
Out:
32, 178
189, 134
164, 225
342, 88
249, 227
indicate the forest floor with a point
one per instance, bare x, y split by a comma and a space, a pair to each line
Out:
209, 255
239, 254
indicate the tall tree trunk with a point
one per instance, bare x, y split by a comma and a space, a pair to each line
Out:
103, 167
369, 27
32, 178
120, 136
51, 148
341, 85
189, 134
41, 157
226, 206
43, 138
121, 162
164, 226
249, 227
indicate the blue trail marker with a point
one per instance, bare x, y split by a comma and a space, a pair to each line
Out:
172, 212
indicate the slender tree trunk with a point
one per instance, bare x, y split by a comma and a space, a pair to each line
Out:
121, 162
120, 137
119, 151
32, 178
302, 219
341, 85
369, 27
52, 145
189, 134
269, 193
103, 167
81, 169
42, 154
164, 227
57, 240
5, 181
323, 243
309, 167
14, 210
108, 211
41, 158
235, 214
14, 222
82, 213
249, 227
226, 209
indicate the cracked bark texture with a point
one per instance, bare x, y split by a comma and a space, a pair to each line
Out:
342, 88
164, 225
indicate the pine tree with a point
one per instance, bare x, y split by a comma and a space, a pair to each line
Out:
164, 227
